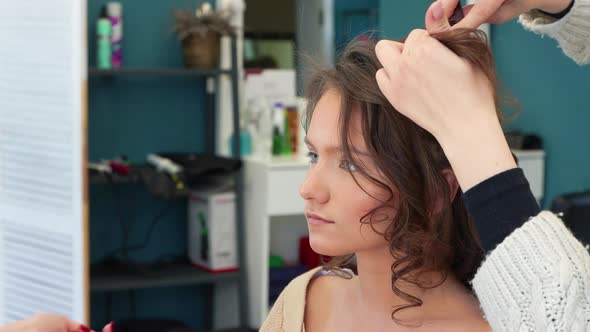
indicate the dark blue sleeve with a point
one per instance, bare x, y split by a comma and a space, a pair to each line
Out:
561, 13
499, 205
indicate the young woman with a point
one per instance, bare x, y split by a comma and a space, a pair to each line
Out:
384, 191
491, 202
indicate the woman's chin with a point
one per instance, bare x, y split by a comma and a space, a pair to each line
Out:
326, 247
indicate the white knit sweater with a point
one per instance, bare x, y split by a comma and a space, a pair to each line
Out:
572, 31
537, 279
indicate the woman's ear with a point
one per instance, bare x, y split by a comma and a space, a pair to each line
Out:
449, 175
453, 183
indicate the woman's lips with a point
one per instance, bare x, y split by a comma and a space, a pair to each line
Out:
314, 219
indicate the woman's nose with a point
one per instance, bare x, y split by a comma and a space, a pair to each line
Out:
314, 186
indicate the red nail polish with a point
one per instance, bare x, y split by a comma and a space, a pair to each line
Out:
457, 15
84, 328
112, 325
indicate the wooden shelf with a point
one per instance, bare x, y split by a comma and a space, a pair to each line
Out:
167, 276
95, 72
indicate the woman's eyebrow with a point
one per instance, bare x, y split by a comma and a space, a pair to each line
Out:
337, 148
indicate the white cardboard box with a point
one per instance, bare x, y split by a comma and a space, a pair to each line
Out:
212, 232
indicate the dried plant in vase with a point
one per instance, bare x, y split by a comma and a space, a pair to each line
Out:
200, 34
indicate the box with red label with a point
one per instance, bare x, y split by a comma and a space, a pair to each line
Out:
211, 231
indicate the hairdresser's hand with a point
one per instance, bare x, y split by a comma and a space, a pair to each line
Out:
445, 95
46, 323
494, 11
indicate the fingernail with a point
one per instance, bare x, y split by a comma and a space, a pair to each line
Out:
112, 325
84, 328
437, 10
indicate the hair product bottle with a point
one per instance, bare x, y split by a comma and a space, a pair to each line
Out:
115, 13
103, 41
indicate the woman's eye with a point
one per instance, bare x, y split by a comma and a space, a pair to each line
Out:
313, 157
347, 165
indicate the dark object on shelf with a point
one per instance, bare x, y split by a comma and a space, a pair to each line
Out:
113, 274
280, 277
158, 183
576, 213
199, 170
151, 325
522, 141
198, 167
161, 184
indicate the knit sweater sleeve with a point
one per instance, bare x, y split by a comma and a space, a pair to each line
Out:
537, 279
274, 320
572, 32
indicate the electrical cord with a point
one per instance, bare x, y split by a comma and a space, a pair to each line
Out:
125, 226
148, 235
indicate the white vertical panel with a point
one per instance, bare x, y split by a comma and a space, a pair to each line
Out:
484, 27
224, 116
315, 37
42, 75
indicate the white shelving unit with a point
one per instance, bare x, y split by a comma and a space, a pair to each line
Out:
272, 196
532, 163
271, 191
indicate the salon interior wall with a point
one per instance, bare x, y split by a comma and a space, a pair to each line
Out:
551, 89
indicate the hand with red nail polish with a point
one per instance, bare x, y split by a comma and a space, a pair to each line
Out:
494, 11
46, 323
110, 327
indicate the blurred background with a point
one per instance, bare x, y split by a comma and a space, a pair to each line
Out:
189, 120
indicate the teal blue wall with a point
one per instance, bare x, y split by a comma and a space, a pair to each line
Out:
398, 18
134, 116
551, 89
348, 26
553, 93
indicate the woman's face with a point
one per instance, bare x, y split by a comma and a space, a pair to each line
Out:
334, 202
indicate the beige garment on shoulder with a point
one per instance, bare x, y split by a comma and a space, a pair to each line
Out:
288, 312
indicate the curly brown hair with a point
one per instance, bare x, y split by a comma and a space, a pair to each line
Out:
420, 239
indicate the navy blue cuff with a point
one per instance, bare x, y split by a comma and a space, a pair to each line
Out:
561, 14
499, 205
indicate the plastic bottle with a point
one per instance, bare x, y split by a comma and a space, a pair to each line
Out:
103, 43
278, 117
301, 120
278, 128
115, 13
245, 143
277, 142
265, 132
287, 148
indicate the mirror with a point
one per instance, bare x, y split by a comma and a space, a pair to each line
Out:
288, 34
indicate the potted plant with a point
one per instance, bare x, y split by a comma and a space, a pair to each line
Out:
200, 34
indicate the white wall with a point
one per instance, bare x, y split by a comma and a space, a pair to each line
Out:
315, 35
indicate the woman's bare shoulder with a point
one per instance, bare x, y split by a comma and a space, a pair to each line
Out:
327, 287
326, 297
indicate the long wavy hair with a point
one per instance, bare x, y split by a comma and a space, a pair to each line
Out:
420, 239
